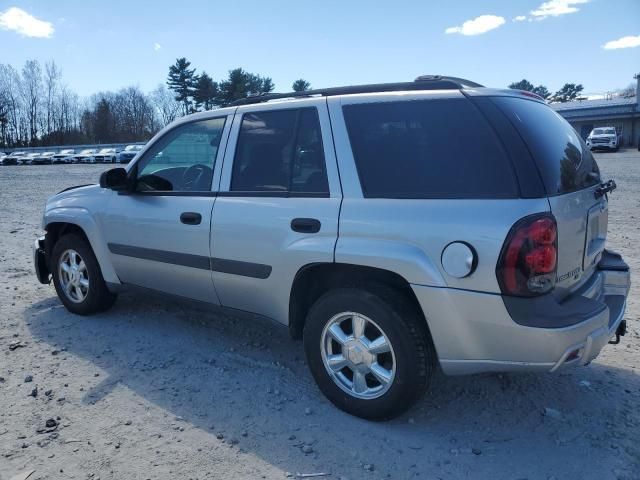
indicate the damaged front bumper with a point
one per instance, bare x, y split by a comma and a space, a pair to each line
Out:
40, 261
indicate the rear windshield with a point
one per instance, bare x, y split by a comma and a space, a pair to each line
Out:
440, 148
563, 160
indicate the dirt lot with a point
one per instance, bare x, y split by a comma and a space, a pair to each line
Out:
165, 390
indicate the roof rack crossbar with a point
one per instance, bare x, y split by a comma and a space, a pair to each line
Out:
424, 82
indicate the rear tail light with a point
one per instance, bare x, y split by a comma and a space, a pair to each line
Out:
529, 258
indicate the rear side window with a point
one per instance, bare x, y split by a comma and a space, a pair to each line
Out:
563, 160
280, 151
427, 149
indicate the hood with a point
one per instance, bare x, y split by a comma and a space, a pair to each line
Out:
75, 200
72, 196
73, 188
77, 190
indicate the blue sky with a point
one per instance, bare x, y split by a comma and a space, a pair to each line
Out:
108, 45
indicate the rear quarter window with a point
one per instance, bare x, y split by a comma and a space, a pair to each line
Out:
441, 148
563, 160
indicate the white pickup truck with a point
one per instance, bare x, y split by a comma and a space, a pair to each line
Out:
605, 138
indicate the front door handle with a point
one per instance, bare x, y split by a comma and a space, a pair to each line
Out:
305, 225
191, 218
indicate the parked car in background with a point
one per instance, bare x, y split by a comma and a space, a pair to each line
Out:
604, 138
105, 155
64, 156
2, 157
129, 152
13, 157
86, 156
27, 159
359, 220
43, 158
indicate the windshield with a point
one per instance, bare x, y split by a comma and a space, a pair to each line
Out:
63, 152
107, 150
603, 131
84, 152
133, 148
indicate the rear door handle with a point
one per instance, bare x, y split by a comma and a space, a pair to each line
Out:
305, 225
191, 218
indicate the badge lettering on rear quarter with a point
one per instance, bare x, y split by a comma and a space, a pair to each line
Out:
573, 273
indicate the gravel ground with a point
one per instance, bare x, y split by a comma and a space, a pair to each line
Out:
165, 390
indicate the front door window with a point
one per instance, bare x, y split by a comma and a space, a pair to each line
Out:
183, 160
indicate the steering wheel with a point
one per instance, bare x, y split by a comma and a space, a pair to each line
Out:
193, 176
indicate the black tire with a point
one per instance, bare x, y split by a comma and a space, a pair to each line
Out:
98, 297
395, 314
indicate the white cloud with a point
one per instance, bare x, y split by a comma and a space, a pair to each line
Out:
157, 46
25, 24
555, 8
520, 18
478, 25
629, 41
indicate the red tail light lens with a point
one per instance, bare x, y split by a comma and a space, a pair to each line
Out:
529, 257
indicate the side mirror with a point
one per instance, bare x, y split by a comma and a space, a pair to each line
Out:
114, 179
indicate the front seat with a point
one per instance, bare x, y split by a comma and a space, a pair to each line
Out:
264, 170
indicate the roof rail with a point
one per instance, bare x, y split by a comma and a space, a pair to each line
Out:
423, 82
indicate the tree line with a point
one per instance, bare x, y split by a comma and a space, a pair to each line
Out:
37, 108
568, 92
198, 91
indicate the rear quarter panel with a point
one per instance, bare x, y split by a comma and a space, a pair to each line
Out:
408, 236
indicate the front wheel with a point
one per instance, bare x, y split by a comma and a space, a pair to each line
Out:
77, 277
369, 351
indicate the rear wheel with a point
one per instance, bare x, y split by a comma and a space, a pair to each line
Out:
368, 351
77, 277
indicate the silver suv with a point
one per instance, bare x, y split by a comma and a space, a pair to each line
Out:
394, 228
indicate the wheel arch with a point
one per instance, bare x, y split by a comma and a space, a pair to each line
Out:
63, 221
313, 280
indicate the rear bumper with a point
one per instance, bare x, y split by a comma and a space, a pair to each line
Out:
40, 261
474, 332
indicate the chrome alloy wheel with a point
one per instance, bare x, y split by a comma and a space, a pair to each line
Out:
73, 276
357, 355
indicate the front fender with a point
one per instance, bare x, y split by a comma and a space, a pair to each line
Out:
82, 218
404, 259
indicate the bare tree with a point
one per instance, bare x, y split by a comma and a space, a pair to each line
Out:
31, 92
4, 118
52, 76
134, 114
68, 117
166, 106
629, 91
10, 88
